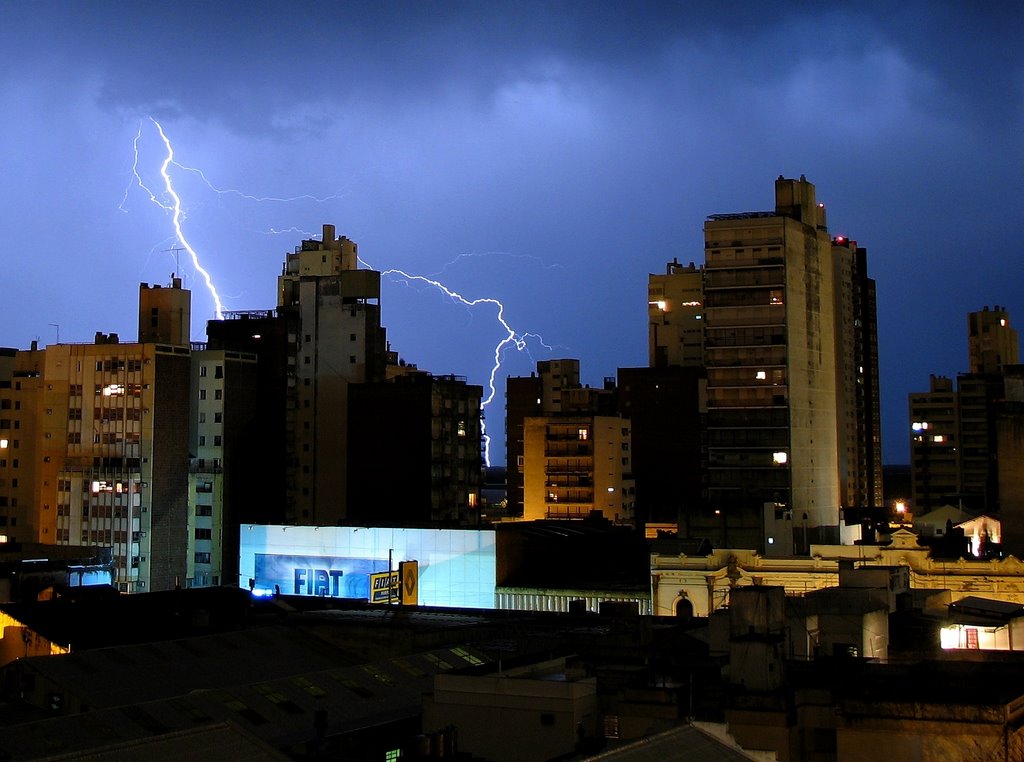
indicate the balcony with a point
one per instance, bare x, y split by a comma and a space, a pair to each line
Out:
579, 467
768, 276
572, 448
561, 496
204, 466
570, 480
569, 511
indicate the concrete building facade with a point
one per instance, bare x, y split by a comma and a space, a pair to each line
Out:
954, 440
771, 357
706, 582
21, 385
675, 316
858, 402
783, 319
569, 450
221, 478
339, 342
423, 430
577, 465
114, 468
991, 341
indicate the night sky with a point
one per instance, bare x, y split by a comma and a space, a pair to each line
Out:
550, 155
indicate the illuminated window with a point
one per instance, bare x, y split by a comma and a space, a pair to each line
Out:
938, 438
461, 428
780, 458
775, 297
761, 375
583, 434
3, 444
919, 425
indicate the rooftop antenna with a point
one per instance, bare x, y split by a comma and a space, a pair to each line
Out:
176, 250
57, 326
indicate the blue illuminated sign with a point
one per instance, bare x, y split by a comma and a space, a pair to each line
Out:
331, 576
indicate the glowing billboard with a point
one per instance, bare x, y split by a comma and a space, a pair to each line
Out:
456, 566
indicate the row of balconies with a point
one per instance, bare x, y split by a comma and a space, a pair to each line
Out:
568, 449
767, 276
569, 466
569, 511
569, 496
204, 466
570, 480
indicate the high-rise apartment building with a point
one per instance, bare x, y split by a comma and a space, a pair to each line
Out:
577, 466
858, 402
129, 446
339, 342
769, 324
953, 434
420, 433
785, 319
225, 436
675, 312
991, 342
1009, 427
667, 408
115, 455
271, 338
21, 387
569, 451
324, 336
539, 394
934, 445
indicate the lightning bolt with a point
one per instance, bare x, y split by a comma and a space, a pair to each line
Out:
307, 235
511, 338
247, 197
174, 208
474, 254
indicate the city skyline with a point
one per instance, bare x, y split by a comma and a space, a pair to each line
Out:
550, 156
